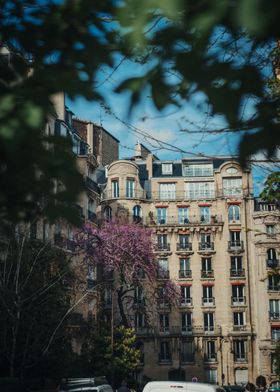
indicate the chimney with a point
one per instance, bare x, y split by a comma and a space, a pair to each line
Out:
149, 165
138, 151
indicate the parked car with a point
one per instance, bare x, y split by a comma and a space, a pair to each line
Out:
274, 386
172, 386
234, 388
84, 384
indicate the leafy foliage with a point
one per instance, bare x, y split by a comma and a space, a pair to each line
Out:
216, 48
97, 353
34, 297
277, 359
271, 191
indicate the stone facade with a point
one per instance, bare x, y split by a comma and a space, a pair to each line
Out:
202, 213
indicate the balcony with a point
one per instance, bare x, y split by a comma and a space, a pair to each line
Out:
237, 273
236, 246
206, 246
145, 331
163, 303
239, 328
92, 216
165, 358
237, 301
272, 263
186, 330
209, 329
163, 274
123, 194
240, 358
185, 302
207, 274
162, 247
164, 330
187, 357
208, 301
275, 316
185, 274
184, 247
92, 185
210, 357
273, 287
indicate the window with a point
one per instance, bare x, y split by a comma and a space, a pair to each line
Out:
161, 216
275, 334
232, 187
108, 213
185, 268
208, 319
236, 264
108, 297
233, 213
273, 364
270, 230
138, 295
274, 309
162, 241
184, 241
206, 264
274, 282
272, 261
238, 319
207, 292
139, 320
188, 350
91, 276
210, 351
198, 170
183, 215
167, 191
137, 213
166, 168
204, 214
238, 294
130, 187
239, 348
205, 241
186, 295
163, 268
164, 354
115, 188
199, 190
186, 322
235, 239
164, 323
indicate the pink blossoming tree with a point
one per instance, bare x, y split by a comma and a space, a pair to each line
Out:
127, 250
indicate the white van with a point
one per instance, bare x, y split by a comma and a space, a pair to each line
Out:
180, 386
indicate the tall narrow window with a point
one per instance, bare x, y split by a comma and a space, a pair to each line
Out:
183, 215
163, 272
130, 187
164, 354
239, 350
207, 298
204, 214
238, 319
164, 323
238, 294
137, 214
162, 243
186, 295
186, 322
208, 322
206, 264
210, 351
115, 188
161, 216
234, 213
235, 239
185, 268
108, 213
274, 309
188, 350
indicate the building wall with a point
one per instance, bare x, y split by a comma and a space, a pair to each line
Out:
224, 334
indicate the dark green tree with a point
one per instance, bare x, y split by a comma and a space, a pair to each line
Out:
99, 358
271, 191
35, 283
277, 360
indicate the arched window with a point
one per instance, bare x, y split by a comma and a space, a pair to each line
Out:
233, 213
108, 213
271, 254
137, 213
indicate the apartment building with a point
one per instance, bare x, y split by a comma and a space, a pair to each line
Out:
200, 211
266, 243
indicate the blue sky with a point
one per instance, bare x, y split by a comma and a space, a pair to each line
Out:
162, 131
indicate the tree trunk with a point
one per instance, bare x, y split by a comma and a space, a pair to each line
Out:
120, 294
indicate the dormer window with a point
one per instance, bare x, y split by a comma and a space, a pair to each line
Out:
166, 168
